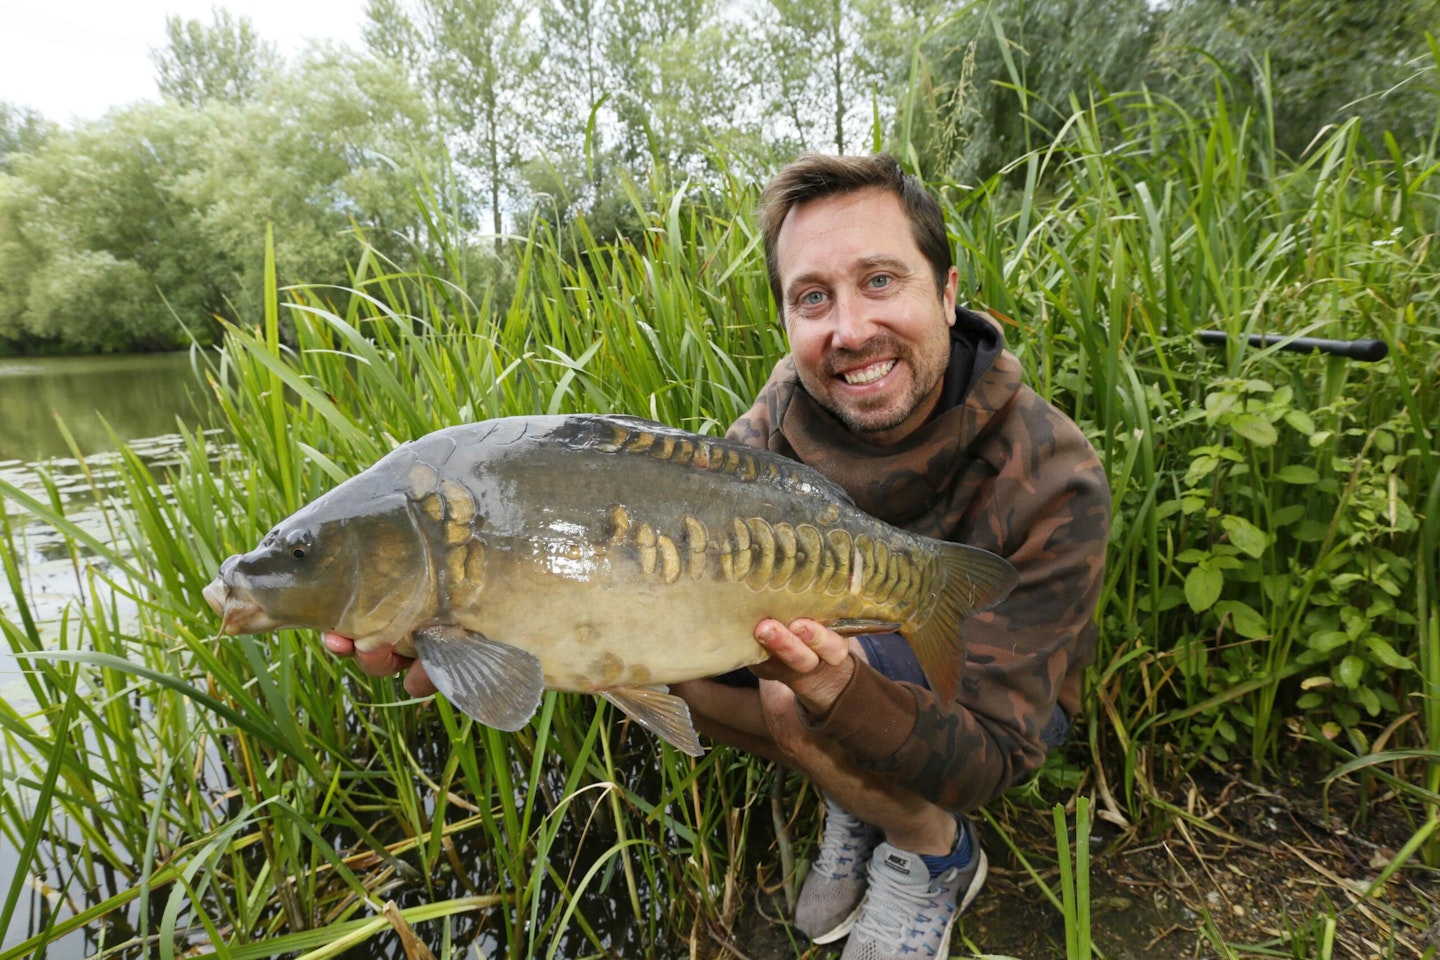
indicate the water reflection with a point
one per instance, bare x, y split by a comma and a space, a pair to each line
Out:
138, 396
141, 398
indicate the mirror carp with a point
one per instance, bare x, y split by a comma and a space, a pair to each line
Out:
600, 554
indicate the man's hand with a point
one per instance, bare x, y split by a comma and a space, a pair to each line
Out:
383, 662
812, 660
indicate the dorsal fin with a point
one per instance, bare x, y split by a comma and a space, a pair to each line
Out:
619, 433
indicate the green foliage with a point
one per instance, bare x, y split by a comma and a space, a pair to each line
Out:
1316, 63
1266, 525
1002, 78
21, 131
134, 232
93, 222
226, 62
1270, 579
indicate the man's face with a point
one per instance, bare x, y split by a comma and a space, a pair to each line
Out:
868, 330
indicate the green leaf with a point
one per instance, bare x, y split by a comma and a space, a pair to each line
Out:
1245, 535
1297, 473
1327, 640
1387, 654
1256, 429
1349, 672
1300, 420
1169, 597
1287, 515
1202, 587
1200, 468
1244, 618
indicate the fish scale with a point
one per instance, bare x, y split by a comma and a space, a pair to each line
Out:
597, 554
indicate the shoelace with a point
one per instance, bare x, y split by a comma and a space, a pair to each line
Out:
891, 907
851, 836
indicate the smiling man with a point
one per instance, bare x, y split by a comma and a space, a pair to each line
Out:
914, 406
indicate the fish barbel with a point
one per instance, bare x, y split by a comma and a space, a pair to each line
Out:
599, 554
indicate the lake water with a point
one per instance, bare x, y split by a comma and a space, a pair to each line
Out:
139, 400
137, 396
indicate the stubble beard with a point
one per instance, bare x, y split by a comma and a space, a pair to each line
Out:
884, 413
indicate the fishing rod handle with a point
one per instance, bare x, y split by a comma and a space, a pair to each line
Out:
1366, 351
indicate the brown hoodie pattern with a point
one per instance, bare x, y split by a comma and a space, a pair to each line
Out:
1000, 469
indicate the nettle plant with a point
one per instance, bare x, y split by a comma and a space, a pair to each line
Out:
1292, 549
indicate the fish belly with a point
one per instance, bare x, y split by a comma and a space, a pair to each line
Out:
593, 635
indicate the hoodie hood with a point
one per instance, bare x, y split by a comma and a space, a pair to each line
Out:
915, 482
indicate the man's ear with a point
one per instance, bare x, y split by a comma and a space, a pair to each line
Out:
947, 296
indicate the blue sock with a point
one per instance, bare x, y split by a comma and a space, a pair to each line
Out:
959, 857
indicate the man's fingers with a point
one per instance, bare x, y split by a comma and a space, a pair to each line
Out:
417, 681
786, 649
338, 645
381, 662
826, 643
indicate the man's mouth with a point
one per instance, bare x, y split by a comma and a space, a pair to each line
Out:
868, 373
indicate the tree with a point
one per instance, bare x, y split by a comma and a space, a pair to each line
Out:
96, 242
678, 82
330, 152
827, 64
112, 231
390, 34
1324, 62
225, 62
474, 57
998, 80
568, 89
22, 130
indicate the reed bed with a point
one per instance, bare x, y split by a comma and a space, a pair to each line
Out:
1270, 595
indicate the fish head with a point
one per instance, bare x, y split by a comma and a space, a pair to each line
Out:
359, 569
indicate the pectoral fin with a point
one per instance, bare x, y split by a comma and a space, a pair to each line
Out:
495, 683
660, 712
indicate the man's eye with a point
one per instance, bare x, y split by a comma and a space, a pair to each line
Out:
881, 281
812, 298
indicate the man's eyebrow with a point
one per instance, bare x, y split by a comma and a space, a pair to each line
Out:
802, 280
884, 260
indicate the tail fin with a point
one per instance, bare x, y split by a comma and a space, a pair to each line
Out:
971, 579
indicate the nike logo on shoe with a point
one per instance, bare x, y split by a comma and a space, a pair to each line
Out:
900, 863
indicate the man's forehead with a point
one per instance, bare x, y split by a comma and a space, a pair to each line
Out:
859, 229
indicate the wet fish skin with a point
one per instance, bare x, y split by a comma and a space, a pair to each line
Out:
599, 554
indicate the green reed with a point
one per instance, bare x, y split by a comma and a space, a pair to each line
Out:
1273, 515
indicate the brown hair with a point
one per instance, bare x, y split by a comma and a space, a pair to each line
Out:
813, 176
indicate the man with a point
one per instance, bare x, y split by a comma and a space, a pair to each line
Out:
916, 409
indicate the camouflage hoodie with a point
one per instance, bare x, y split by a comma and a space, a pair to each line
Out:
996, 467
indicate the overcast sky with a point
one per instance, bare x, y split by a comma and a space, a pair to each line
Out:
75, 59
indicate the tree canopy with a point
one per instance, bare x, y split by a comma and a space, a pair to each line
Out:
134, 231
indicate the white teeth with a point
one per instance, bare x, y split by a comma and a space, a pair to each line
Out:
869, 374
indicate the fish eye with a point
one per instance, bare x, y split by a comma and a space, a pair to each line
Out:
298, 544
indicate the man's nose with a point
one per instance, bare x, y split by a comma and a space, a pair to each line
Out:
854, 324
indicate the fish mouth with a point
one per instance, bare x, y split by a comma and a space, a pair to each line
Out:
239, 614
